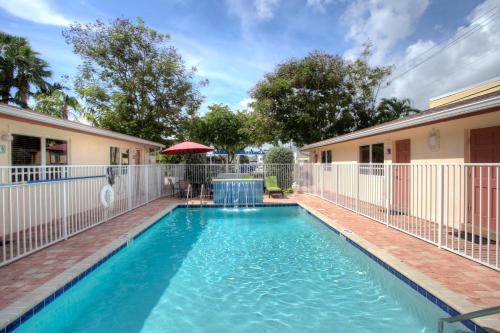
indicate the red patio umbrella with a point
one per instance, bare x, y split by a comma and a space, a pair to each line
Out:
186, 147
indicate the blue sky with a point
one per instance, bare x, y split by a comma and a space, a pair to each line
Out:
233, 43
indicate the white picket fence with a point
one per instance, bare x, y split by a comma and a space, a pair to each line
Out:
453, 206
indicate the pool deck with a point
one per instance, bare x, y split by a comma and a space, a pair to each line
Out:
462, 283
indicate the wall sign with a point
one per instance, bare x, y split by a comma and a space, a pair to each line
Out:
3, 149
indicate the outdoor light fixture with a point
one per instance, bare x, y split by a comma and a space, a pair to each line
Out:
7, 137
433, 140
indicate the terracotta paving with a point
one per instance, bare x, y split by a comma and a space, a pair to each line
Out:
476, 283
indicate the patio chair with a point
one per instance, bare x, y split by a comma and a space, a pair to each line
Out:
183, 186
173, 188
247, 177
271, 184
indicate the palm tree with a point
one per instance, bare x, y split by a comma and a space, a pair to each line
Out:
30, 70
56, 102
8, 45
394, 108
21, 68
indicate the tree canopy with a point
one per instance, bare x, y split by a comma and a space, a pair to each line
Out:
131, 81
21, 70
222, 128
317, 97
57, 103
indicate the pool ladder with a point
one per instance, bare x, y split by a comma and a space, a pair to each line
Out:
189, 194
467, 316
202, 193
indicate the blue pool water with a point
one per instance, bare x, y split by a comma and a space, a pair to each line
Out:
267, 269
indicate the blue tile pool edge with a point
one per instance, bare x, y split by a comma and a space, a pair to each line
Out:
49, 299
422, 291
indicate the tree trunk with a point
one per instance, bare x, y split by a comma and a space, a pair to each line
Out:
64, 114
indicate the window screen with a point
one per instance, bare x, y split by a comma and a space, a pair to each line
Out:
364, 154
114, 155
125, 157
378, 153
26, 150
56, 152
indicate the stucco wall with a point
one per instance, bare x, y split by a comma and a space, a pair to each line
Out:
452, 147
83, 149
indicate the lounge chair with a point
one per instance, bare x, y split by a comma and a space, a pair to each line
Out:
272, 186
247, 177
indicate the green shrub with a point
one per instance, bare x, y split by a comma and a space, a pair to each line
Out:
279, 155
284, 172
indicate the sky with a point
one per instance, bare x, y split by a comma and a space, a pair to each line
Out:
435, 46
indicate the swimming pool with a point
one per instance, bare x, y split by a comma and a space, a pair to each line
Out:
266, 269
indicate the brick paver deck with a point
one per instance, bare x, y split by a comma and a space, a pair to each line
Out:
476, 283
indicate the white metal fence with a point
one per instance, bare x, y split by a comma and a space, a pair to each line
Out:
454, 206
41, 205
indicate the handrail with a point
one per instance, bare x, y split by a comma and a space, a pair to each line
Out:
467, 316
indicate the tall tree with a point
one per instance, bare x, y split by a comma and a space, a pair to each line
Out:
21, 70
57, 102
317, 97
131, 80
393, 108
222, 128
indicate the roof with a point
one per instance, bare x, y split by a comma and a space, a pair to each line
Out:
43, 119
462, 108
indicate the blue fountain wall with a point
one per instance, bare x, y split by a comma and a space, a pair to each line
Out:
238, 191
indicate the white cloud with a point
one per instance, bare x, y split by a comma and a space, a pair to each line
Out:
318, 5
470, 61
245, 102
39, 11
382, 22
252, 11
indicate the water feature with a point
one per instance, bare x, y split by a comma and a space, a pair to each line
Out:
238, 192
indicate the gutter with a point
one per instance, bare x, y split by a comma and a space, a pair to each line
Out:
70, 125
411, 122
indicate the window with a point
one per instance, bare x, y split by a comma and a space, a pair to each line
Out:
364, 154
125, 157
372, 154
326, 156
56, 152
26, 150
114, 155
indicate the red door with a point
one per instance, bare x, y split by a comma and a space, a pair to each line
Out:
402, 174
485, 148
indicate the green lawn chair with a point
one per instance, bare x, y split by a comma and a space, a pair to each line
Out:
247, 177
272, 186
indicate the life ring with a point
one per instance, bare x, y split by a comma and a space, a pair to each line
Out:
107, 195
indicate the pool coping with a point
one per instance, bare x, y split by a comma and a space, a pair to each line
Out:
18, 312
449, 301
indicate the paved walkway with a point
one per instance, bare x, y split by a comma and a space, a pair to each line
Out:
476, 283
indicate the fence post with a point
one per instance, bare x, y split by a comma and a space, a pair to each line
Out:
441, 204
337, 183
322, 180
146, 180
129, 177
388, 178
65, 210
357, 187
